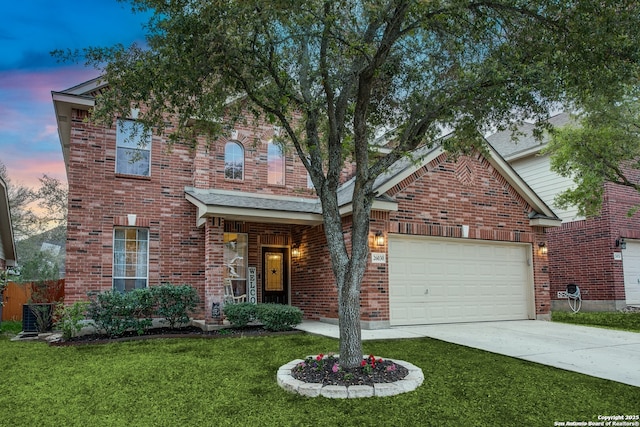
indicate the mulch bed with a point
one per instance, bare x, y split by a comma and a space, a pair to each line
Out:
183, 332
326, 371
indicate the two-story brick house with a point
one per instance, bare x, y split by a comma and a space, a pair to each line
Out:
449, 242
600, 254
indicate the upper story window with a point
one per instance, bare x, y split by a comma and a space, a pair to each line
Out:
133, 148
233, 161
275, 164
130, 258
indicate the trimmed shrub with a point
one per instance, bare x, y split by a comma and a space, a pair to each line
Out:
115, 312
110, 313
241, 313
278, 317
140, 303
174, 303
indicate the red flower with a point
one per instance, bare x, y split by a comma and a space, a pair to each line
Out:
319, 357
363, 363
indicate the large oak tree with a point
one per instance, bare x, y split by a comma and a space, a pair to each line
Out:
333, 74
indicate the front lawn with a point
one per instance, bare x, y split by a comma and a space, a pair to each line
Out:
231, 381
626, 321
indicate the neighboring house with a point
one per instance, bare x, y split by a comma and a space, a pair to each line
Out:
7, 242
601, 254
449, 242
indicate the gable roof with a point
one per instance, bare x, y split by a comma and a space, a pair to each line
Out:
525, 143
244, 206
541, 214
6, 230
80, 97
269, 208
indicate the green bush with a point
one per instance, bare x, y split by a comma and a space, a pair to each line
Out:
69, 318
278, 317
141, 304
240, 314
109, 312
174, 303
115, 312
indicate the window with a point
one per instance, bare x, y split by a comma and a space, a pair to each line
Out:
133, 148
130, 258
275, 164
236, 252
233, 161
309, 180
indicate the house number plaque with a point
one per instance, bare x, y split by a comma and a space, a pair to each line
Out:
252, 292
378, 257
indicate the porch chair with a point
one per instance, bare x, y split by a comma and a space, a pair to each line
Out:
229, 296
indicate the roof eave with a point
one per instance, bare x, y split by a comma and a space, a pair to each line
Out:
514, 180
63, 103
253, 215
545, 222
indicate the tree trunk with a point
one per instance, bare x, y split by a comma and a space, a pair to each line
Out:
350, 332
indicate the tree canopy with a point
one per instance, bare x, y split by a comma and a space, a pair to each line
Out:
37, 216
602, 146
335, 74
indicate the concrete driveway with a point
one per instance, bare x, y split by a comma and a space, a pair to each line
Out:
602, 353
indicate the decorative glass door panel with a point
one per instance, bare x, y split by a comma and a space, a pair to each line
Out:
275, 275
274, 279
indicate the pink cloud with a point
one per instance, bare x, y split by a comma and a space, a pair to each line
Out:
48, 132
37, 85
27, 171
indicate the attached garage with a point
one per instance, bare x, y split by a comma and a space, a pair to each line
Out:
631, 267
440, 280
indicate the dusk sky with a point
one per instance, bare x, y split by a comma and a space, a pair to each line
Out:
30, 30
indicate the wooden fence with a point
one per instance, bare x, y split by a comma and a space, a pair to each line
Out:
15, 295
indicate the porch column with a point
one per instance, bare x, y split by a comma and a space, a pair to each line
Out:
213, 254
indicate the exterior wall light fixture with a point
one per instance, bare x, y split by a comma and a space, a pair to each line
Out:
620, 243
542, 248
379, 238
295, 250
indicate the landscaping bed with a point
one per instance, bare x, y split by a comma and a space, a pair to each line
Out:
164, 332
326, 371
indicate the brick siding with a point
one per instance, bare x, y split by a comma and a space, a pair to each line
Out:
434, 201
582, 252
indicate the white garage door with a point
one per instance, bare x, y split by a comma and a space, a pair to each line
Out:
433, 280
631, 267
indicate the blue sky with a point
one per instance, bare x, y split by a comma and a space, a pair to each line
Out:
30, 30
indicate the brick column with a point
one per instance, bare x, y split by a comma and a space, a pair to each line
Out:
213, 255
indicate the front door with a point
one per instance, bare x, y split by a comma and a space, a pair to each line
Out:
275, 275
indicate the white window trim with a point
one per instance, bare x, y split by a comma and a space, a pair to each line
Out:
113, 255
238, 144
148, 149
284, 163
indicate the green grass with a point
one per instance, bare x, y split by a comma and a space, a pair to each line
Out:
10, 327
232, 381
629, 321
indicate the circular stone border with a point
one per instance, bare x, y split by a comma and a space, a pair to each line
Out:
412, 381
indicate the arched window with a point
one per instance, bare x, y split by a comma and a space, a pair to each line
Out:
275, 164
233, 160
